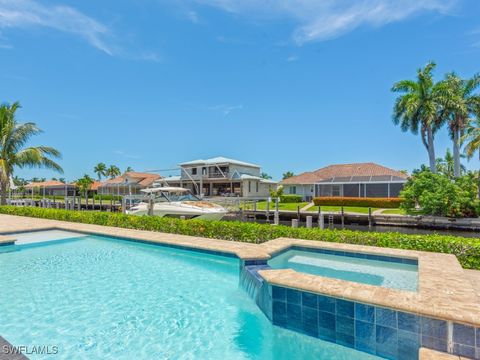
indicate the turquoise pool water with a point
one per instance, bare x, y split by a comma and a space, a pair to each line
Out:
101, 298
366, 271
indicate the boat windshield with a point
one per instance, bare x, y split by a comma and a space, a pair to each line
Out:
174, 196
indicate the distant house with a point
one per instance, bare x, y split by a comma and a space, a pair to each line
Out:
129, 183
350, 180
50, 188
221, 176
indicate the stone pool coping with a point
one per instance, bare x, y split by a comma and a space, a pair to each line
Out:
444, 291
428, 354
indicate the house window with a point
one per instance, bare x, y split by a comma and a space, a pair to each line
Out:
194, 171
336, 190
256, 187
204, 171
293, 190
249, 186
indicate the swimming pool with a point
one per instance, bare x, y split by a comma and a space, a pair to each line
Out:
375, 270
103, 298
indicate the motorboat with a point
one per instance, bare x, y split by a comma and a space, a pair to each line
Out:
169, 201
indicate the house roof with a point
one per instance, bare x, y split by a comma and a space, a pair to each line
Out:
360, 172
142, 179
44, 184
252, 177
218, 160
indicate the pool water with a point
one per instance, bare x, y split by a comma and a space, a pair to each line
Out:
101, 298
366, 271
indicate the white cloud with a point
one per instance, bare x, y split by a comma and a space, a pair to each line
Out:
326, 19
292, 58
226, 109
29, 13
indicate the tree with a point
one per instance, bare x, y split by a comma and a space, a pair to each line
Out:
265, 176
472, 138
287, 175
462, 102
446, 165
101, 170
419, 108
129, 169
84, 184
112, 171
13, 153
438, 195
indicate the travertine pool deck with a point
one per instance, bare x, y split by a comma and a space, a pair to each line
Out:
444, 291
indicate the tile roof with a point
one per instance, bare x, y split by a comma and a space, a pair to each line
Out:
343, 170
142, 179
50, 183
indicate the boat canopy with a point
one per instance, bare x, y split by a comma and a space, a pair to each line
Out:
165, 189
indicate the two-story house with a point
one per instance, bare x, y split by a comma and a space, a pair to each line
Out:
222, 177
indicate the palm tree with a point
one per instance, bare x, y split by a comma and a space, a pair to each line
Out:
472, 137
112, 171
265, 176
13, 153
461, 104
84, 184
100, 169
446, 165
287, 175
419, 108
129, 169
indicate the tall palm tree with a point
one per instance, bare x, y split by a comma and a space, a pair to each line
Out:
100, 169
13, 153
287, 175
462, 102
129, 169
419, 108
472, 138
265, 176
113, 171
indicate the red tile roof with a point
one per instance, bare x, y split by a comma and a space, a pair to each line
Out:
142, 179
343, 170
44, 184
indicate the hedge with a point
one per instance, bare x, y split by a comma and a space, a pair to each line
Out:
290, 198
388, 203
467, 250
107, 197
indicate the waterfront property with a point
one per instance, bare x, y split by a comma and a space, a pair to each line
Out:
50, 188
348, 180
130, 183
221, 176
167, 300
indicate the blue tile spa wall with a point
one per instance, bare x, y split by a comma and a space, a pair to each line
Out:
373, 329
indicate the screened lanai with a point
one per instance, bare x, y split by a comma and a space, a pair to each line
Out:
361, 186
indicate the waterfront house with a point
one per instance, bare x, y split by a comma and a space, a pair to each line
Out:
50, 188
221, 176
130, 183
349, 180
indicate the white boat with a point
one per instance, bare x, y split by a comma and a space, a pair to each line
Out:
176, 202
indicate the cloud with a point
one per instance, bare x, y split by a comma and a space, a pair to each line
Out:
126, 155
318, 20
29, 13
292, 58
226, 109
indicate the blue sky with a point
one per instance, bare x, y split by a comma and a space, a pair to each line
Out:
291, 85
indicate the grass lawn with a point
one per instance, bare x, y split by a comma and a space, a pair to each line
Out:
352, 209
262, 205
400, 212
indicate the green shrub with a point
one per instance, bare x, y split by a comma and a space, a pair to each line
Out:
290, 198
384, 203
437, 194
467, 250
